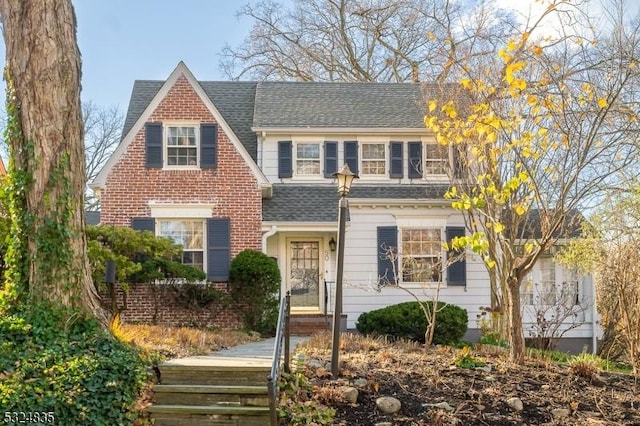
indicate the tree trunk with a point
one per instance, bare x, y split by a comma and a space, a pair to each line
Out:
47, 153
514, 315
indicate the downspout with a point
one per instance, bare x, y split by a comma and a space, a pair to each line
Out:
266, 235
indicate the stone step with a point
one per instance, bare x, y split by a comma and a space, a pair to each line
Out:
191, 415
247, 396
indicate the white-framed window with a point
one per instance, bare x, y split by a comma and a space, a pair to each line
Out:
421, 254
308, 161
373, 159
189, 233
181, 145
548, 289
436, 161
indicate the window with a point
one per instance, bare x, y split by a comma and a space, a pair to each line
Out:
548, 288
421, 255
308, 159
190, 235
436, 159
182, 146
526, 292
374, 159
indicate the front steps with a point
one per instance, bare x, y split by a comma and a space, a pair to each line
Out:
211, 390
308, 324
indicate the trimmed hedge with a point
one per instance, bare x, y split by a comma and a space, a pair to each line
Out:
407, 321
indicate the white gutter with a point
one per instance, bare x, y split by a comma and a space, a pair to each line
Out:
266, 235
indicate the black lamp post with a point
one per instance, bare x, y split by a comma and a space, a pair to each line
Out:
345, 177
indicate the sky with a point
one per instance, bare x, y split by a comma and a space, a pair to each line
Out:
124, 40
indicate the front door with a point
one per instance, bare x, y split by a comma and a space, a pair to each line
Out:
304, 274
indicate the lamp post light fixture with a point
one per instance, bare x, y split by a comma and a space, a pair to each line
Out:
345, 178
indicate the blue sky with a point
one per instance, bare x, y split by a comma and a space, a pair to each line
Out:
125, 40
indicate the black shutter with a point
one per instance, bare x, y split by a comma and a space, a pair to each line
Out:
153, 145
143, 224
395, 150
285, 159
415, 160
208, 145
387, 244
351, 155
457, 271
458, 161
218, 248
330, 158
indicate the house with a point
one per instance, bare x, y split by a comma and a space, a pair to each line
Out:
224, 166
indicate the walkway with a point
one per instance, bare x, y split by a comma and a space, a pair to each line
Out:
261, 349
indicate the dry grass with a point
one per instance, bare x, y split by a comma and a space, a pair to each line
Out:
174, 342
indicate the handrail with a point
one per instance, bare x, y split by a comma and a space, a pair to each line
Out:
282, 333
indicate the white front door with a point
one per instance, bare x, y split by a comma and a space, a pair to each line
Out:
304, 273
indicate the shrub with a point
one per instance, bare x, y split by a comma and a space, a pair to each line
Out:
254, 283
407, 320
60, 362
585, 365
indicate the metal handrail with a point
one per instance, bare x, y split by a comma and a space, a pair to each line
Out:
282, 333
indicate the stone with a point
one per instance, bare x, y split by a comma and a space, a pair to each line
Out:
349, 394
388, 404
515, 403
360, 383
316, 363
383, 424
489, 378
443, 405
485, 368
560, 413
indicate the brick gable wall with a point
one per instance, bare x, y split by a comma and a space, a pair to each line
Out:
231, 187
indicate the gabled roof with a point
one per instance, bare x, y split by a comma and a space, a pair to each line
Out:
234, 100
147, 95
319, 203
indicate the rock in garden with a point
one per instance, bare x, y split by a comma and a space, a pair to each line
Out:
384, 424
388, 404
515, 403
360, 383
349, 394
560, 413
444, 405
316, 363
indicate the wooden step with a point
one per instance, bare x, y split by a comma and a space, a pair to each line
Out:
193, 415
248, 396
218, 371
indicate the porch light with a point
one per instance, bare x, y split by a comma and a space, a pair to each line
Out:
345, 177
332, 244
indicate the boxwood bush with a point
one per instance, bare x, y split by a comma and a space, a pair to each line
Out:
254, 283
407, 321
55, 361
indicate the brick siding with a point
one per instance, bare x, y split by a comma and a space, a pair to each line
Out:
142, 304
231, 187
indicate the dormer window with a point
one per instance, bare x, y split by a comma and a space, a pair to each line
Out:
182, 146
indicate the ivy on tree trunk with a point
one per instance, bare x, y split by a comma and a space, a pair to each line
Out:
47, 259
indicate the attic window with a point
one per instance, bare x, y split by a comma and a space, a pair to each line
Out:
182, 146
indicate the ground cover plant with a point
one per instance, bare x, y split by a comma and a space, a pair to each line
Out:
476, 386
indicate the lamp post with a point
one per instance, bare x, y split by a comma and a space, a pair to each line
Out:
345, 177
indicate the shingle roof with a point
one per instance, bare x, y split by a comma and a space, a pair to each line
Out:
234, 100
315, 203
304, 105
342, 105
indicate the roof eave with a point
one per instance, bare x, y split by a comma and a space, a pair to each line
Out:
341, 130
